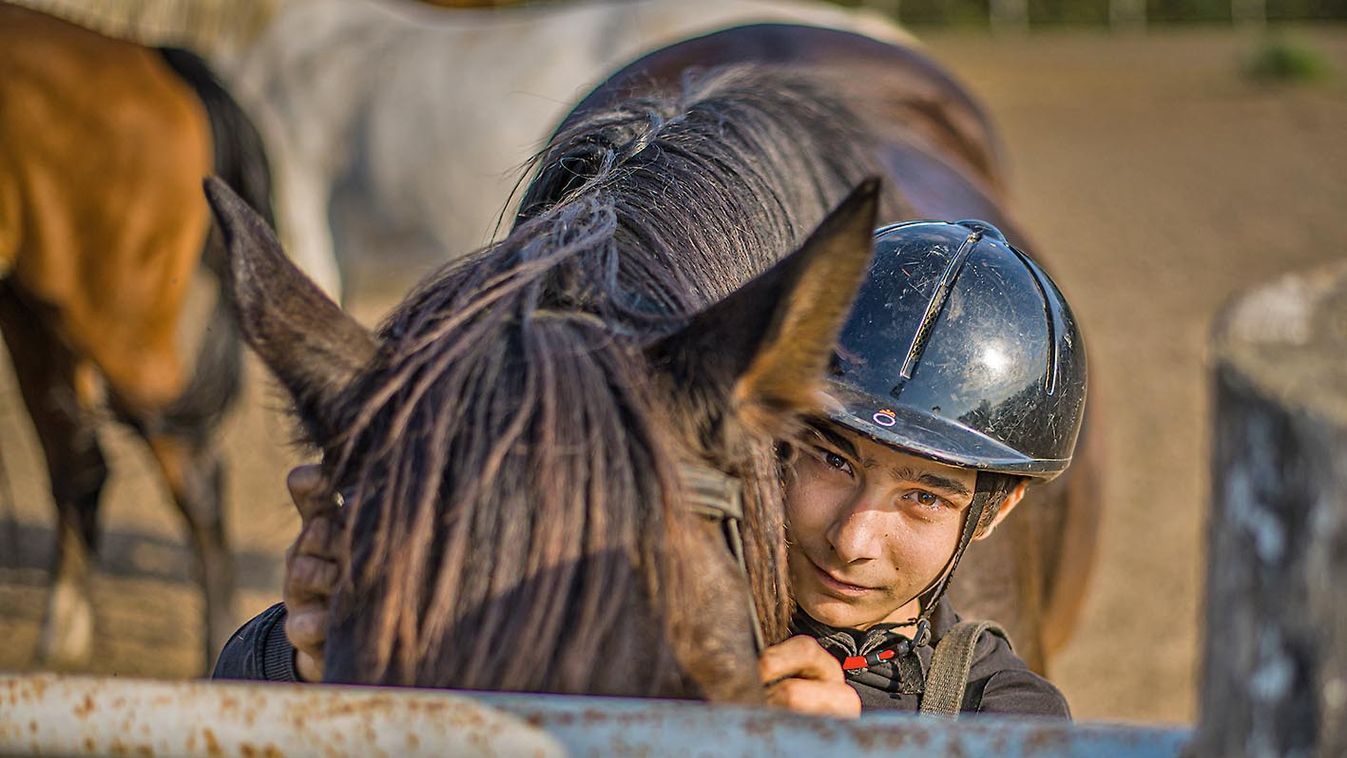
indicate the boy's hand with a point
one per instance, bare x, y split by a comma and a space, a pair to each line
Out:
312, 569
801, 676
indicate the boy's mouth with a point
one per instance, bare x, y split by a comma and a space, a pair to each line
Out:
834, 585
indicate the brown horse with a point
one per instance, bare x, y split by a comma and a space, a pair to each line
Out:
519, 445
103, 144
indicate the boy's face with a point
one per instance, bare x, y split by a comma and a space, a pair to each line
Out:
869, 526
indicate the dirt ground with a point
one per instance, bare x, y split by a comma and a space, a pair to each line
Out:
1156, 183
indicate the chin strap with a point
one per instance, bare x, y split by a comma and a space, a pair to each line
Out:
929, 597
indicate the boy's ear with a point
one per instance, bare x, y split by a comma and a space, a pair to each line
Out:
1013, 499
765, 347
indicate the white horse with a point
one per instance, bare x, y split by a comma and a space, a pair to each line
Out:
401, 128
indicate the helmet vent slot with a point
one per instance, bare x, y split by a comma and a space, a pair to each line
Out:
935, 306
1050, 314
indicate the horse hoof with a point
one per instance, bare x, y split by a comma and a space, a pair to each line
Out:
67, 638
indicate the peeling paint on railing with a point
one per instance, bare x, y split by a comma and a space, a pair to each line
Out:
50, 714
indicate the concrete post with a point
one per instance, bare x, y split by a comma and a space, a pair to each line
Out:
1275, 660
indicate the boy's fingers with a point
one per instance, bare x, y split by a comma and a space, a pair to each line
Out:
309, 490
308, 667
306, 626
308, 576
816, 698
799, 657
319, 538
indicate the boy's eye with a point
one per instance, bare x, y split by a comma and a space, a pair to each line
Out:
833, 460
926, 499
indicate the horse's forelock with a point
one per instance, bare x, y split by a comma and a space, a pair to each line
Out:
510, 503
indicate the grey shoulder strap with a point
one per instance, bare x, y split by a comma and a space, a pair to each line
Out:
950, 663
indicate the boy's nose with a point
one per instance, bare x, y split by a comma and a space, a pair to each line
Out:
856, 534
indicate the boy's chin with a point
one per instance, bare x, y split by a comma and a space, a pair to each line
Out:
834, 612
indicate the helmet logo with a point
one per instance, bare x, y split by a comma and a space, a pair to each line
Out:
885, 417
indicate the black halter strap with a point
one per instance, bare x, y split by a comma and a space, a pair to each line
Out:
716, 495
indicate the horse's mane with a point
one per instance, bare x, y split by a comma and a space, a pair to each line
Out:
508, 467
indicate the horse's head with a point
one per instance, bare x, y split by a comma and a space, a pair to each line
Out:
517, 470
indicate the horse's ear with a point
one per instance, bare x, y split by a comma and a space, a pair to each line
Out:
312, 345
767, 345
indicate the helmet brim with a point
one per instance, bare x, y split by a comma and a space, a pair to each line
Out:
941, 439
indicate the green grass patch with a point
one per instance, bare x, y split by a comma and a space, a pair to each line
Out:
1278, 59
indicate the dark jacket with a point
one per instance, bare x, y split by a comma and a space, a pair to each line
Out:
259, 650
998, 683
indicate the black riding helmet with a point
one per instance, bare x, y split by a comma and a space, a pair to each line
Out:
959, 348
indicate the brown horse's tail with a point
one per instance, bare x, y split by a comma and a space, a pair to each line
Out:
241, 161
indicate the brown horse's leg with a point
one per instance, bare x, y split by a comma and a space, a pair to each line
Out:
192, 467
56, 388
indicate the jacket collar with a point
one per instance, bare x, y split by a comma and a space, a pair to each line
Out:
904, 672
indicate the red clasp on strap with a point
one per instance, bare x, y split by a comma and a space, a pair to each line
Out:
859, 662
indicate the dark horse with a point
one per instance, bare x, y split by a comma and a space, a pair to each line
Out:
516, 446
103, 144
941, 155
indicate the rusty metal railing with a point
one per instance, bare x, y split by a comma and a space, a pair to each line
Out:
49, 714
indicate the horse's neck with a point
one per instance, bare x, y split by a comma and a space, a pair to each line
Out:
891, 67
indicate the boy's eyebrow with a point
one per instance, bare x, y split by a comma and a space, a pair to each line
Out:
935, 481
834, 438
899, 473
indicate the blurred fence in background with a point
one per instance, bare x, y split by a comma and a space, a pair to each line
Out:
213, 23
1124, 13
